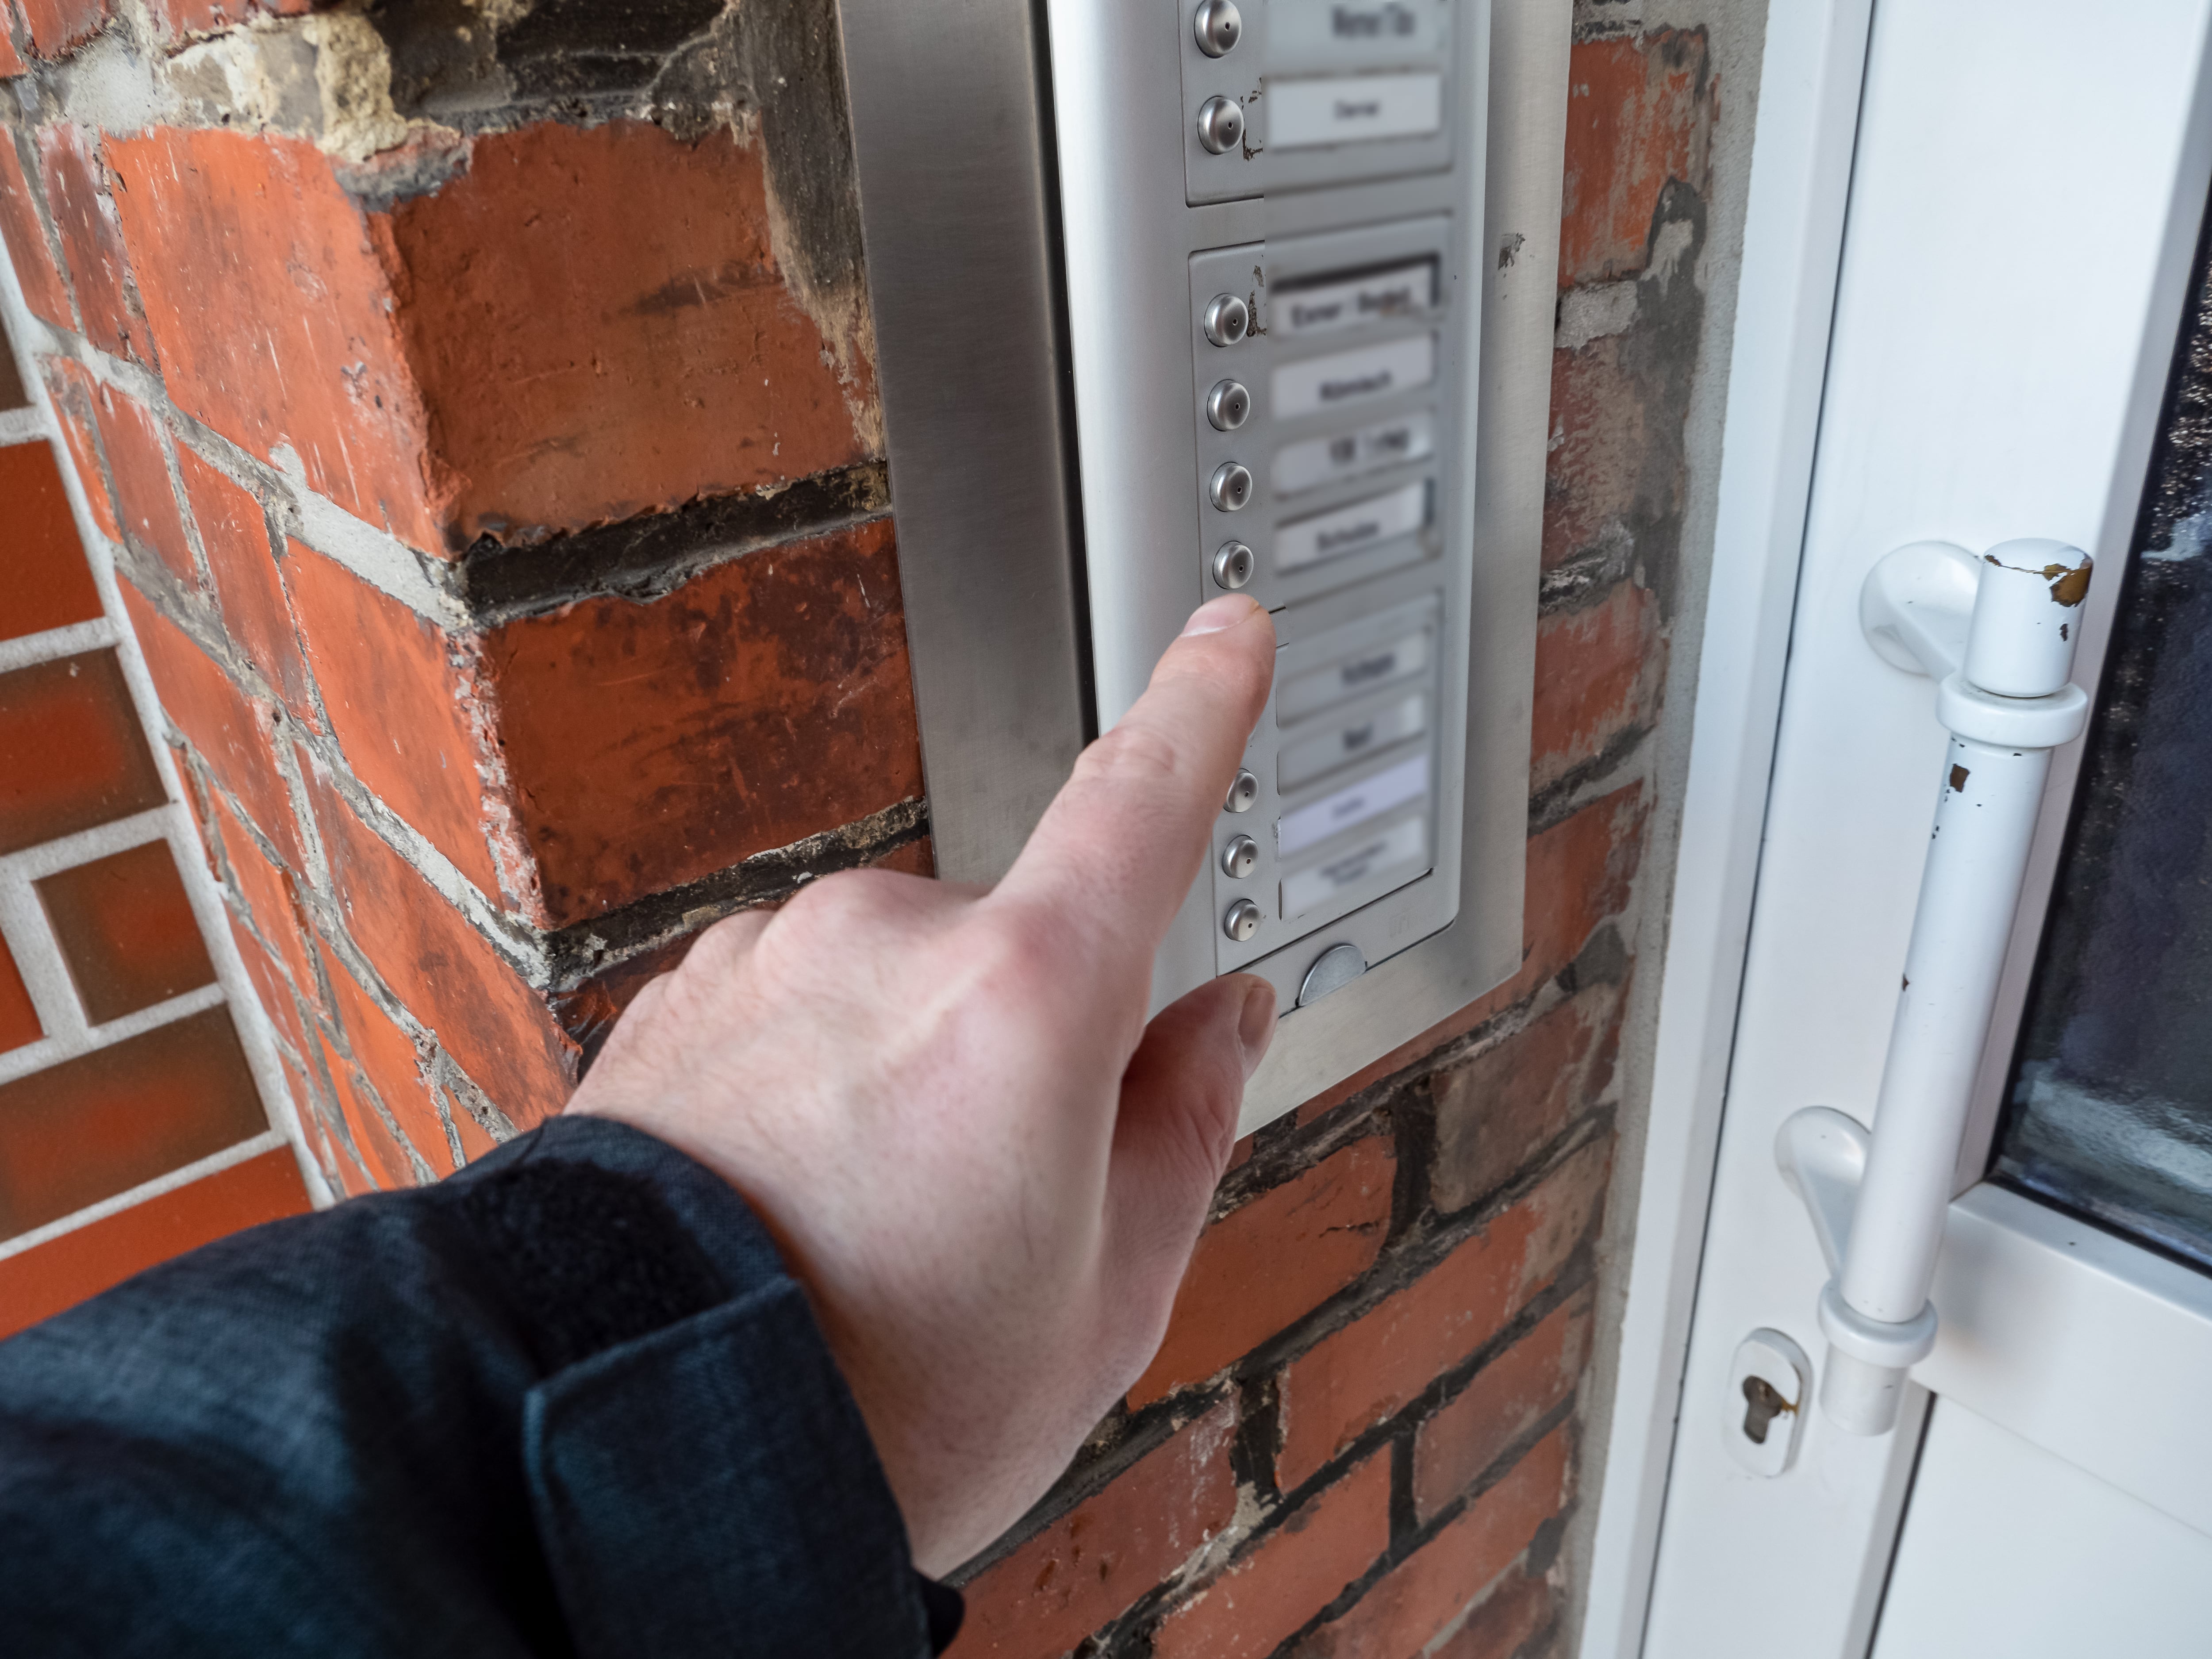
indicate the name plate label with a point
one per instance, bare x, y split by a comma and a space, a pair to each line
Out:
1346, 530
1343, 378
1408, 290
1353, 806
1352, 109
1316, 461
1396, 659
1311, 757
1400, 846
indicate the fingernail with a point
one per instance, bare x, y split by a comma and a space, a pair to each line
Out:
1217, 614
1256, 1025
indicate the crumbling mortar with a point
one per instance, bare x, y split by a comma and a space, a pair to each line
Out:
1625, 760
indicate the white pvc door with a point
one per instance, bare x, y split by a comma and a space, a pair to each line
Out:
2026, 186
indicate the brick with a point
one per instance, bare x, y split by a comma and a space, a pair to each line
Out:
72, 391
1091, 1564
146, 507
1267, 1264
443, 972
249, 592
270, 894
1617, 412
35, 263
49, 584
1375, 1367
270, 988
12, 392
1497, 1110
399, 694
71, 754
19, 1019
1579, 874
1506, 1399
1290, 1576
388, 1058
1639, 112
1598, 673
767, 700
232, 732
303, 351
1426, 1592
627, 353
92, 240
185, 17
1506, 1622
11, 60
57, 25
383, 1159
41, 1282
126, 930
107, 1121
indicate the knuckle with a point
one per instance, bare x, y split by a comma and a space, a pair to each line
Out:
1132, 756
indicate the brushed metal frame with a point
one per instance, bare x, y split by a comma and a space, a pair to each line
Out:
952, 133
953, 118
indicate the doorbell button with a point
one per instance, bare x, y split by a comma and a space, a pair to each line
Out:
1219, 25
1240, 858
1230, 488
1227, 320
1220, 124
1241, 793
1242, 920
1228, 405
1233, 564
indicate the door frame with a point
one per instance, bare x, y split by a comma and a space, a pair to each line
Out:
1811, 83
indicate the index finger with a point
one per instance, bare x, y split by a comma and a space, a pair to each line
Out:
1119, 846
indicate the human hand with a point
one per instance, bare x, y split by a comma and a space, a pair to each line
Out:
987, 1169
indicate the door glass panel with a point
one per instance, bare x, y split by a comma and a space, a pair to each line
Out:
2109, 1108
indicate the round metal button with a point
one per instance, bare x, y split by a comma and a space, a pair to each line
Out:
1228, 405
1242, 920
1220, 124
1232, 565
1227, 320
1231, 487
1241, 793
1219, 26
1240, 858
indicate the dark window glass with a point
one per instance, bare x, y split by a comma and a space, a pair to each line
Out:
2109, 1111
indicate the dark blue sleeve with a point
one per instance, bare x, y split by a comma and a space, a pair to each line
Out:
567, 1401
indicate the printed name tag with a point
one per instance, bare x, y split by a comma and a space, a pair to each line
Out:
1353, 529
1309, 693
1409, 290
1345, 378
1351, 806
1349, 109
1335, 32
1309, 757
1301, 467
1402, 847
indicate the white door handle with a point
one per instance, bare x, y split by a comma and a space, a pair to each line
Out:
1998, 634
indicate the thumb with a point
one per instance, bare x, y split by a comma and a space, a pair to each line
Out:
1177, 1126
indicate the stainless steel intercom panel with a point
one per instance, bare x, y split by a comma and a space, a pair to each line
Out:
1272, 315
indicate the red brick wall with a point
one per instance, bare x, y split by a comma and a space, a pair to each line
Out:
494, 473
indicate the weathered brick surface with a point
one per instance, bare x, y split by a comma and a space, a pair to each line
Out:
401, 698
1507, 1399
386, 1057
1289, 1575
637, 350
231, 733
146, 505
57, 25
765, 701
92, 240
1496, 1111
35, 265
1639, 114
72, 390
1425, 1592
1277, 1258
11, 59
1088, 1567
1373, 1367
304, 353
249, 594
